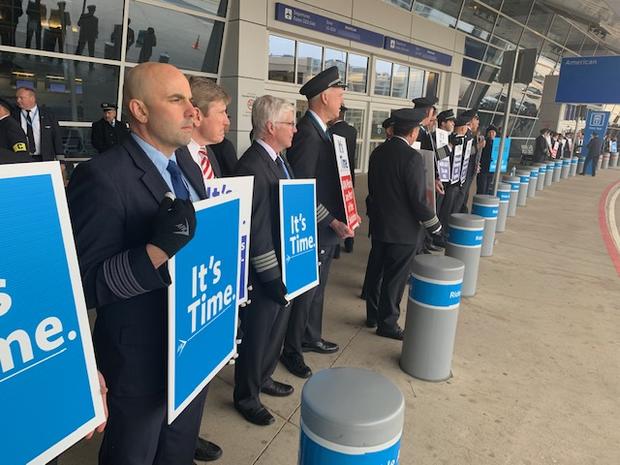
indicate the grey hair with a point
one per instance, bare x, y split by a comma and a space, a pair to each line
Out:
267, 108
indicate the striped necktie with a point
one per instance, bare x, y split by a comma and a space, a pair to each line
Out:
205, 164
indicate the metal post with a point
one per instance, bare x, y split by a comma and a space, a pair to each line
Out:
502, 142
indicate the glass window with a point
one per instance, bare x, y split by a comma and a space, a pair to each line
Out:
357, 73
281, 59
432, 84
335, 58
72, 28
488, 73
72, 90
486, 96
406, 4
540, 19
559, 30
184, 40
589, 47
308, 61
501, 43
530, 40
521, 127
416, 83
476, 20
493, 3
399, 81
602, 51
383, 77
301, 106
470, 68
494, 56
355, 117
376, 129
440, 11
508, 30
474, 48
77, 142
529, 106
517, 10
466, 88
575, 39
214, 7
485, 120
551, 52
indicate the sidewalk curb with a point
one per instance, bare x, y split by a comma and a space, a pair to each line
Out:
611, 237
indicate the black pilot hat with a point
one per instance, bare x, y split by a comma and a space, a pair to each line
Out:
411, 116
465, 118
446, 115
108, 106
471, 113
324, 80
424, 102
387, 122
6, 104
491, 128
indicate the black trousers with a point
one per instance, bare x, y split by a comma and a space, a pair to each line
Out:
449, 205
591, 159
137, 431
263, 323
373, 276
485, 181
384, 295
306, 321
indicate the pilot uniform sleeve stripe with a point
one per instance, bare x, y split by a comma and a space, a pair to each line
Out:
430, 223
119, 277
109, 274
265, 261
132, 281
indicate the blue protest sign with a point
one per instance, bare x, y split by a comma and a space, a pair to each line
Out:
495, 155
596, 121
49, 391
243, 186
298, 233
589, 80
202, 301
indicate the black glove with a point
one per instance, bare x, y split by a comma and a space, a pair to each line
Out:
276, 290
174, 225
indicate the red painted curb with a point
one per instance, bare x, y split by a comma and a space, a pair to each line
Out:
612, 249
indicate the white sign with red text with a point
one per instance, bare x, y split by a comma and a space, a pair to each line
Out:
346, 181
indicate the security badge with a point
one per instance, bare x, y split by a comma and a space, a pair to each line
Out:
20, 147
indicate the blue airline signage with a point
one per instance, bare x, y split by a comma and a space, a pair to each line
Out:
407, 48
49, 391
596, 121
495, 154
202, 301
589, 80
298, 233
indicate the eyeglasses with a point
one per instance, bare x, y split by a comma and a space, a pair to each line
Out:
288, 123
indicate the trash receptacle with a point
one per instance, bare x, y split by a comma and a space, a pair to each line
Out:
515, 183
565, 168
580, 164
542, 171
465, 233
350, 416
524, 185
605, 163
487, 206
432, 315
503, 194
573, 166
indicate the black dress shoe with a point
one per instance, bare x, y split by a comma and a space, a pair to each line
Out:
295, 364
371, 323
321, 347
276, 389
206, 451
438, 241
392, 333
426, 252
259, 416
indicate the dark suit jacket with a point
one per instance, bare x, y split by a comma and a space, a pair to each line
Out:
104, 136
344, 129
312, 156
594, 146
184, 152
541, 149
226, 156
112, 201
396, 186
265, 234
51, 141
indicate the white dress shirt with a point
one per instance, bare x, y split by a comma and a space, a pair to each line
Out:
36, 127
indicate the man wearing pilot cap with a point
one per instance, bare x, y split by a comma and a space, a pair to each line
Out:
396, 182
108, 131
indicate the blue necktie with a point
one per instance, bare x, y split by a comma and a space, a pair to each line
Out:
180, 190
283, 167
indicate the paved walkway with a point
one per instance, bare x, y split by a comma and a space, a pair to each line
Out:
537, 357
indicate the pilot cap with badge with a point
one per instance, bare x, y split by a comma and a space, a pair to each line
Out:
321, 82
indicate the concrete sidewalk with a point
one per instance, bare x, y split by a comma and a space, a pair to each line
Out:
537, 357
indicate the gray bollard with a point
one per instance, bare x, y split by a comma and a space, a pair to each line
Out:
487, 206
350, 415
514, 182
613, 160
573, 166
580, 164
503, 194
524, 185
465, 233
605, 163
542, 171
531, 190
565, 168
599, 163
557, 170
550, 171
432, 316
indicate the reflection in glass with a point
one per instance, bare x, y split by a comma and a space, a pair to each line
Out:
308, 61
494, 56
335, 58
474, 48
529, 106
441, 11
521, 127
301, 106
480, 99
399, 81
559, 30
355, 117
540, 19
376, 129
406, 4
383, 77
470, 68
358, 155
589, 47
184, 40
508, 30
416, 83
281, 59
485, 120
575, 39
71, 90
214, 7
530, 40
517, 10
357, 73
432, 84
77, 142
476, 20
465, 90
488, 73
551, 52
